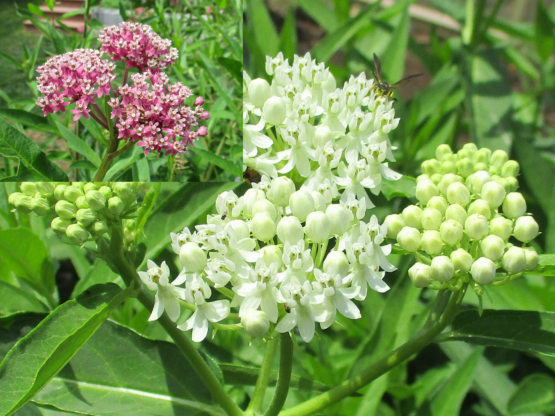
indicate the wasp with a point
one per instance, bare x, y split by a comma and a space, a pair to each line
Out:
382, 87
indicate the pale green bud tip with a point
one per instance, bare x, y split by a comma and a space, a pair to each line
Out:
457, 193
40, 206
431, 167
20, 201
59, 225
493, 247
256, 323
259, 92
106, 191
451, 232
318, 227
499, 158
501, 227
526, 229
99, 228
476, 226
481, 207
431, 219
483, 271
281, 190
431, 242
241, 228
510, 169
412, 215
462, 260
494, 193
264, 206
71, 193
263, 226
82, 203
443, 150
439, 203
272, 254
46, 189
409, 239
442, 268
77, 234
124, 190
477, 180
290, 229
59, 192
192, 257
340, 218
447, 180
301, 204
337, 260
274, 110
421, 275
65, 209
395, 223
28, 188
425, 190
514, 205
514, 260
85, 216
96, 200
90, 186
115, 205
532, 258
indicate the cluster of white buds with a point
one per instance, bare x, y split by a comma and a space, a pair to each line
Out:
285, 257
302, 126
468, 221
83, 210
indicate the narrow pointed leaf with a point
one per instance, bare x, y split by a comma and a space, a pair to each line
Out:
78, 145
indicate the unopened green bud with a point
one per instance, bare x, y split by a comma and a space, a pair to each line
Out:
107, 192
77, 234
477, 181
532, 258
436, 178
125, 190
39, 206
263, 226
28, 188
259, 92
470, 147
448, 166
512, 184
449, 158
340, 218
274, 110
90, 186
483, 271
85, 217
82, 203
431, 167
281, 190
421, 275
493, 193
412, 215
192, 257
481, 156
476, 226
481, 207
115, 205
264, 206
409, 239
526, 229
46, 189
395, 223
59, 225
290, 229
14, 196
494, 171
443, 149
462, 260
99, 228
71, 193
21, 202
501, 227
465, 167
250, 198
80, 185
255, 322
463, 154
301, 204
425, 190
493, 247
451, 232
439, 203
240, 228
457, 193
65, 209
514, 205
319, 201
447, 180
431, 242
442, 268
480, 167
511, 168
272, 254
499, 158
431, 219
337, 260
514, 260
457, 213
96, 200
59, 192
422, 177
318, 227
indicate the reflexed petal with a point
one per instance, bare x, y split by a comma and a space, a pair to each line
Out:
200, 327
171, 304
306, 326
158, 309
217, 310
288, 322
346, 307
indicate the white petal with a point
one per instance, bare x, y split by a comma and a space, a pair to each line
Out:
217, 310
287, 323
188, 325
200, 327
269, 305
346, 307
171, 304
158, 309
306, 326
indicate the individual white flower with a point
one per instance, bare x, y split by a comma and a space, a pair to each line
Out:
297, 259
167, 294
179, 239
219, 270
298, 298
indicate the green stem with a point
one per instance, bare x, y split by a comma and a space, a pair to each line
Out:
128, 274
112, 147
284, 375
396, 357
255, 406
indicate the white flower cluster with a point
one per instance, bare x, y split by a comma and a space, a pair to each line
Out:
279, 271
304, 127
468, 211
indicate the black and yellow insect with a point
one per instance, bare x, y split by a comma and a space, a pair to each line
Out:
382, 87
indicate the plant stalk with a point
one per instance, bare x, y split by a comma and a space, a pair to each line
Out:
255, 406
284, 375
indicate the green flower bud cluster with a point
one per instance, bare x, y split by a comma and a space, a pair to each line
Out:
83, 210
468, 211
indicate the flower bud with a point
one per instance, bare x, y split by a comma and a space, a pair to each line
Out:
80, 185
263, 226
86, 217
281, 190
259, 92
272, 254
319, 201
395, 223
511, 184
448, 166
447, 180
115, 205
318, 227
39, 206
493, 247
493, 171
421, 275
457, 213
481, 156
439, 203
82, 203
431, 219
59, 225
106, 191
511, 168
426, 190
125, 190
465, 167
421, 178
431, 167
514, 260
59, 192
28, 188
499, 158
514, 205
480, 167
451, 232
493, 193
65, 209
301, 204
463, 154
274, 111
322, 135
256, 323
457, 193
96, 200
290, 229
442, 150
90, 186
532, 258
249, 198
471, 148
436, 178
431, 242
483, 271
481, 207
449, 157
340, 218
412, 215
501, 227
192, 257
526, 229
99, 228
71, 193
337, 260
21, 202
409, 239
476, 226
198, 101
77, 234
442, 268
477, 181
264, 206
46, 189
462, 260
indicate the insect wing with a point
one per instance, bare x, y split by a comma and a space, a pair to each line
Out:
405, 79
378, 73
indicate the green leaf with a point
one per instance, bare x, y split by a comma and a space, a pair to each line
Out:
546, 265
11, 59
288, 36
218, 161
42, 353
35, 10
94, 129
33, 59
15, 299
263, 27
320, 12
99, 273
78, 145
122, 164
14, 327
27, 257
122, 11
234, 67
544, 34
519, 330
28, 119
16, 144
393, 64
404, 187
535, 394
56, 38
83, 164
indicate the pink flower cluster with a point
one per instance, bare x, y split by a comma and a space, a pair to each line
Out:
154, 115
79, 76
138, 46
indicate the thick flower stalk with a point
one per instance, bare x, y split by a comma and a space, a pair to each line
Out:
468, 223
304, 127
